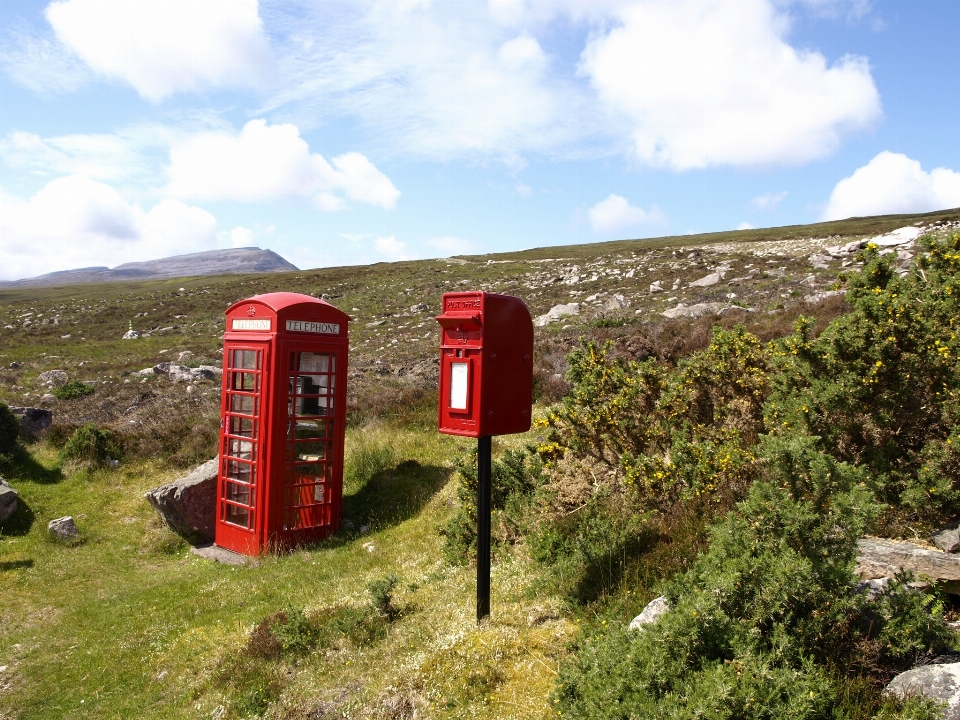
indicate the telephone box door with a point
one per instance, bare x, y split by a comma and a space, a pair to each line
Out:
245, 410
313, 454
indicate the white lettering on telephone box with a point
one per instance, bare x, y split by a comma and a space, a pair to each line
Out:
257, 324
313, 327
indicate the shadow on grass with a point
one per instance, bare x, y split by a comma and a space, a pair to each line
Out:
395, 495
23, 466
15, 565
20, 522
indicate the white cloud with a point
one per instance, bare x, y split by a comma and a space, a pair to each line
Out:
712, 82
272, 161
892, 183
77, 222
161, 47
768, 201
450, 245
745, 226
616, 214
242, 237
391, 248
41, 64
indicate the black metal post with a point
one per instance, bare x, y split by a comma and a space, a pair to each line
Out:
483, 527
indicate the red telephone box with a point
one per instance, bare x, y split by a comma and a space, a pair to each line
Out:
282, 422
486, 365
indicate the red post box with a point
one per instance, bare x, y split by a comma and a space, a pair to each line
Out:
486, 388
486, 365
282, 422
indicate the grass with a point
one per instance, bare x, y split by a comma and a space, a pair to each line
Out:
128, 623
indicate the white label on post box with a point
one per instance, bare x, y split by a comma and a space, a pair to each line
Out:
313, 327
458, 386
257, 324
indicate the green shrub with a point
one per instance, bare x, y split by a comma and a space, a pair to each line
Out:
514, 479
72, 390
9, 430
765, 624
91, 447
381, 595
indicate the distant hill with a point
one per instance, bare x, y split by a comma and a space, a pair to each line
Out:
237, 261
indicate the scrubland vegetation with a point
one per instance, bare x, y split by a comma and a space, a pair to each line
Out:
729, 463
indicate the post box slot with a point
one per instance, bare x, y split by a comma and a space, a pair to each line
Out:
462, 322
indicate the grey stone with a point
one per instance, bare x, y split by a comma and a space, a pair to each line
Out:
617, 302
146, 372
188, 506
55, 377
63, 529
947, 539
693, 311
651, 613
711, 279
878, 558
206, 372
872, 588
938, 682
131, 335
185, 355
33, 419
655, 287
419, 307
376, 323
556, 313
15, 365
821, 296
209, 551
8, 500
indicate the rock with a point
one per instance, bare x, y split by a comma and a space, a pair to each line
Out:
15, 365
185, 355
556, 313
48, 399
693, 311
617, 302
146, 372
877, 558
900, 236
821, 296
419, 307
131, 335
938, 682
376, 323
947, 539
188, 505
55, 377
655, 287
63, 529
872, 588
711, 279
654, 609
8, 500
206, 372
819, 262
177, 373
33, 419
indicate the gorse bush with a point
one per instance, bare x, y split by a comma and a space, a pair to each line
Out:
91, 446
9, 430
72, 390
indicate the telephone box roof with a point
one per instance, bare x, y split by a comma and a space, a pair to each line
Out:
280, 301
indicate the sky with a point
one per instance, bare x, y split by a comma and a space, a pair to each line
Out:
343, 133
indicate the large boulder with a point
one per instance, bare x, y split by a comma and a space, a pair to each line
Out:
188, 506
8, 500
878, 558
938, 682
33, 419
693, 311
556, 313
948, 538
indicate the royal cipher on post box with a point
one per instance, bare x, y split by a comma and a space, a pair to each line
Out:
486, 365
282, 422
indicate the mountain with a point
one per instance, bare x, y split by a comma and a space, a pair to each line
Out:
237, 261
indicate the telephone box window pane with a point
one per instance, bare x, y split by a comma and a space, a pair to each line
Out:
240, 471
238, 493
305, 473
237, 515
245, 381
246, 359
309, 429
310, 451
244, 427
314, 363
458, 386
312, 385
242, 449
312, 405
243, 404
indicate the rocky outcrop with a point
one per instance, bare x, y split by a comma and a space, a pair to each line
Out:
8, 500
651, 613
938, 682
693, 311
53, 377
182, 373
188, 505
877, 558
947, 539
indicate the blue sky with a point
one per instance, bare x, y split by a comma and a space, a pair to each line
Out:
362, 131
